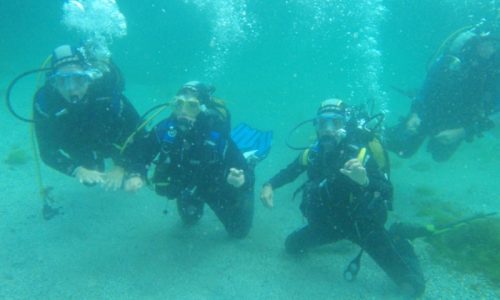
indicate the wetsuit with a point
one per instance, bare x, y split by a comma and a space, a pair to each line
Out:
338, 208
84, 134
460, 91
192, 167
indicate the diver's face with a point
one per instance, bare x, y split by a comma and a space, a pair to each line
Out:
186, 109
330, 129
72, 82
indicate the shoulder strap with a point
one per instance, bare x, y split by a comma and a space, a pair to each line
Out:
377, 150
304, 157
40, 102
117, 103
220, 106
308, 155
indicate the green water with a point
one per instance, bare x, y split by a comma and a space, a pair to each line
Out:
273, 62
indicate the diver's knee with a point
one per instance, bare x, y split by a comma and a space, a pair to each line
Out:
239, 232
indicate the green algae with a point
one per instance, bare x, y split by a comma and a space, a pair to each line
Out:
472, 247
17, 156
425, 191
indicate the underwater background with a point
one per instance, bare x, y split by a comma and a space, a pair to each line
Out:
272, 62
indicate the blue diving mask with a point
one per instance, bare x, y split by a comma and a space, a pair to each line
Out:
69, 80
329, 122
72, 85
330, 128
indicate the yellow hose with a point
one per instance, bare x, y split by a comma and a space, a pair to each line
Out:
43, 192
447, 42
130, 138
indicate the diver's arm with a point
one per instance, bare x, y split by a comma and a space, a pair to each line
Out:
140, 153
379, 183
235, 161
235, 167
128, 129
50, 152
290, 173
54, 157
287, 175
137, 157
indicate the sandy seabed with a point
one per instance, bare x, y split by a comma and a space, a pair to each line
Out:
113, 245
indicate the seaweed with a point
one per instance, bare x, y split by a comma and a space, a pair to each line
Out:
425, 191
472, 247
17, 157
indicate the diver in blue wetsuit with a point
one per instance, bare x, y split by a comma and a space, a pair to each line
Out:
460, 94
197, 161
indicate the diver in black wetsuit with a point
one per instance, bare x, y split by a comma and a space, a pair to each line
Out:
460, 94
81, 118
197, 162
347, 195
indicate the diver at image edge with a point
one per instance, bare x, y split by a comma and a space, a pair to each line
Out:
81, 118
458, 100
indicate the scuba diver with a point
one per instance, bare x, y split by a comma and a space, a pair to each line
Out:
81, 117
459, 96
198, 162
347, 195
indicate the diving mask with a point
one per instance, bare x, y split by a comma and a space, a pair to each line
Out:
69, 80
187, 107
330, 122
72, 85
330, 128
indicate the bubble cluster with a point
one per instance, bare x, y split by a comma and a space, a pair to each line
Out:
99, 21
369, 52
230, 26
356, 25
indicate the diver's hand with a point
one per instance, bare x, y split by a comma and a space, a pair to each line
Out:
450, 136
133, 184
355, 171
236, 177
114, 178
413, 123
86, 176
266, 195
